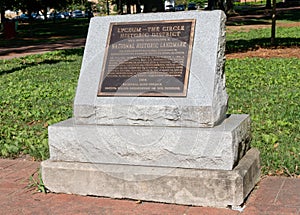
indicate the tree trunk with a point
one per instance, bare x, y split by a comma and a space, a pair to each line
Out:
138, 6
211, 5
120, 6
128, 7
107, 7
216, 4
268, 4
221, 5
45, 13
230, 8
153, 6
273, 28
2, 11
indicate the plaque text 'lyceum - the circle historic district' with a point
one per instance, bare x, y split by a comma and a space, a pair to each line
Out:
147, 59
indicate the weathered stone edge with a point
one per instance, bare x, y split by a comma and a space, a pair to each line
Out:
216, 188
103, 145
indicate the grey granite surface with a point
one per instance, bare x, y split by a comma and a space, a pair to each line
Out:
206, 102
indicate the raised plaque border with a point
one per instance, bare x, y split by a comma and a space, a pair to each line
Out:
187, 65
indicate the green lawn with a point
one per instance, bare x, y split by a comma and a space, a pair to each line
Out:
269, 90
35, 91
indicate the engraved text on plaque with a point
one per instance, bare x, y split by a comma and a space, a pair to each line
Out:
147, 59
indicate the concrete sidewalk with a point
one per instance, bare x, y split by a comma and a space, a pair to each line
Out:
274, 195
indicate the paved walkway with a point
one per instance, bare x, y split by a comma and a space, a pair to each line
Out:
274, 195
9, 53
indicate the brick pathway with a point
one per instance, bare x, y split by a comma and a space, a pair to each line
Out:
275, 195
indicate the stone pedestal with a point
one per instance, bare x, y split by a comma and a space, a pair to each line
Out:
179, 149
219, 148
216, 188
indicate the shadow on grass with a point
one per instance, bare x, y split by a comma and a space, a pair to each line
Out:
248, 21
27, 65
234, 46
67, 52
39, 61
293, 15
257, 15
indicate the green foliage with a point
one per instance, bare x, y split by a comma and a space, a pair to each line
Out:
38, 5
38, 183
35, 91
200, 3
268, 90
244, 4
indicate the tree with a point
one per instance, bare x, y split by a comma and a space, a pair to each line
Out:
216, 4
273, 28
6, 5
268, 4
219, 4
230, 7
149, 6
119, 6
29, 6
153, 6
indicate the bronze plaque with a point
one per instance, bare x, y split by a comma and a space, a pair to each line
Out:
147, 59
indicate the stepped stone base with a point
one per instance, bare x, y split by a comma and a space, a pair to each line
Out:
218, 148
217, 188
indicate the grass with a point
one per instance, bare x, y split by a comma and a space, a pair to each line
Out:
35, 91
36, 182
268, 90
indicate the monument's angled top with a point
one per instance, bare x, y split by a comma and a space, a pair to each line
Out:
163, 62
